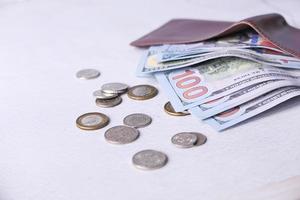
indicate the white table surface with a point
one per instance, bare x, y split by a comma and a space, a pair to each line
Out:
44, 156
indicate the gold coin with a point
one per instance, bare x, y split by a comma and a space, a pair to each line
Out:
92, 121
142, 92
170, 110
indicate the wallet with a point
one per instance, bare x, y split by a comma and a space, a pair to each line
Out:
272, 27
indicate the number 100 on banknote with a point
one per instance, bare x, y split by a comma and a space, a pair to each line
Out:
189, 84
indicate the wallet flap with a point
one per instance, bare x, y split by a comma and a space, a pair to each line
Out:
272, 27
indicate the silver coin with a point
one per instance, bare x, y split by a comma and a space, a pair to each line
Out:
121, 135
201, 139
88, 74
118, 88
106, 103
99, 94
137, 120
185, 139
149, 159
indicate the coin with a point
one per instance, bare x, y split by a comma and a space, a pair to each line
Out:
92, 121
142, 92
88, 74
118, 88
106, 103
137, 120
201, 139
99, 94
121, 135
149, 159
184, 139
170, 110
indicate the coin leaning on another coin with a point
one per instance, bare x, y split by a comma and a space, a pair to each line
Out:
188, 139
184, 139
92, 121
142, 92
149, 159
170, 110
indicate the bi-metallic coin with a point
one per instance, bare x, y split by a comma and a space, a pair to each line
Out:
92, 121
142, 92
170, 110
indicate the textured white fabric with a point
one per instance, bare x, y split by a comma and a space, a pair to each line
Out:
44, 156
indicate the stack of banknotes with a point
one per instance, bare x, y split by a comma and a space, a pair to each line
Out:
226, 80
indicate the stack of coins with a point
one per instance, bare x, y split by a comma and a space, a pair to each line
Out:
110, 94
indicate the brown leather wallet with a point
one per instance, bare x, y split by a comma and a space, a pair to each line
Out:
272, 27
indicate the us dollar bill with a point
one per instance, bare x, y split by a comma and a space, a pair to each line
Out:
254, 107
156, 62
241, 40
190, 87
227, 102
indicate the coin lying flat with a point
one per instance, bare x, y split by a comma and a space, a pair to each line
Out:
92, 121
99, 94
170, 110
121, 135
106, 103
149, 159
117, 88
88, 74
137, 120
184, 139
142, 92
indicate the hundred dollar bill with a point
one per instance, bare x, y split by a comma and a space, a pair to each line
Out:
152, 63
149, 63
256, 54
246, 39
254, 107
222, 104
190, 87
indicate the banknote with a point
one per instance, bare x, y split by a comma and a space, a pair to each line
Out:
190, 87
149, 64
246, 39
254, 107
256, 54
227, 102
153, 63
